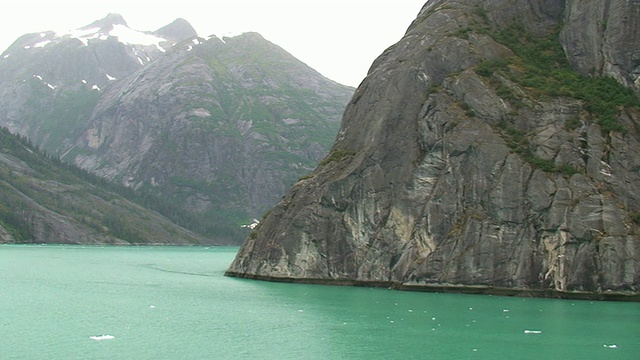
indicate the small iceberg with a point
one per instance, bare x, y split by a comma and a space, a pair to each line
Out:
612, 346
533, 331
102, 337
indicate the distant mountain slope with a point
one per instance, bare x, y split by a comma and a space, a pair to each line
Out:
221, 126
44, 201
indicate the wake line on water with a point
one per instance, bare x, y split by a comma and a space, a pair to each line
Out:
177, 271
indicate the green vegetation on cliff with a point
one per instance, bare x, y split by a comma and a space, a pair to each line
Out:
541, 67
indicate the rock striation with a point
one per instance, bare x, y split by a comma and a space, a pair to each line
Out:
446, 176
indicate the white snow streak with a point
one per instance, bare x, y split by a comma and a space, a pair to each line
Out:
42, 44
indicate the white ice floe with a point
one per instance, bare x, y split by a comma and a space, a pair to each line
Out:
52, 87
6, 56
612, 346
102, 337
111, 78
533, 331
95, 87
84, 81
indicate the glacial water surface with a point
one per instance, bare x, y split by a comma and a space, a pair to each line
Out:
78, 302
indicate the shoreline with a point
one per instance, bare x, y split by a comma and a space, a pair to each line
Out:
452, 288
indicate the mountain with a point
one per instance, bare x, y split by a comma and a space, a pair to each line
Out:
51, 81
221, 126
43, 200
491, 150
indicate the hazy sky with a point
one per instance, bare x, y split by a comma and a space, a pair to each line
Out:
338, 38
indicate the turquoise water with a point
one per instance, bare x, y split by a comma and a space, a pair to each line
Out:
73, 302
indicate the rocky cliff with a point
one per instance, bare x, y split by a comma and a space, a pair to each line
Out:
478, 156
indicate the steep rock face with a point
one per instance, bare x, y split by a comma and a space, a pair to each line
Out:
601, 38
428, 187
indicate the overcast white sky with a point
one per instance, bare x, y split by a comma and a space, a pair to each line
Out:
338, 38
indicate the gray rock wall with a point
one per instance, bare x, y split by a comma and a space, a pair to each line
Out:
601, 38
421, 193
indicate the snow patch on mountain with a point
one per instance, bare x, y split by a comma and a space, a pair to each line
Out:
124, 34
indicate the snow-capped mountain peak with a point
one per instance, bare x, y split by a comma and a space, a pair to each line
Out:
114, 25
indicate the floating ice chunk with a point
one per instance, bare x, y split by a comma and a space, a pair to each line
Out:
533, 331
52, 87
152, 307
6, 56
102, 337
95, 87
37, 77
505, 310
84, 81
111, 78
612, 346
